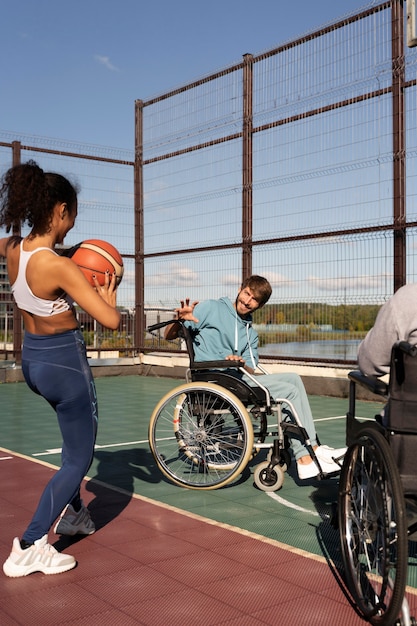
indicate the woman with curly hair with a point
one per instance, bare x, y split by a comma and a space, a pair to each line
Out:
45, 285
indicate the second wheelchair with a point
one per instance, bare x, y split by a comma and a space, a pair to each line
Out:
377, 507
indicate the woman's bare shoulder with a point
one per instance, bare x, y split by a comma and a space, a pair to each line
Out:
7, 242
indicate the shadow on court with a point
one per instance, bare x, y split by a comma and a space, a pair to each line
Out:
117, 470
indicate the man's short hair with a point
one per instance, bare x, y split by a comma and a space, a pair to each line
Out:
260, 287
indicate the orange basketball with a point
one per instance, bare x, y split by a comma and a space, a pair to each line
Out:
94, 256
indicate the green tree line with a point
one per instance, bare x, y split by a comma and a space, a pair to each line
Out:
343, 317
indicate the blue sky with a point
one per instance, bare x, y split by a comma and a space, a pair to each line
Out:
72, 70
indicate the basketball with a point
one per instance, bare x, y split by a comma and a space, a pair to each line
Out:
94, 256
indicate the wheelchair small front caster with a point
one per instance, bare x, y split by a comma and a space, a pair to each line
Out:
268, 478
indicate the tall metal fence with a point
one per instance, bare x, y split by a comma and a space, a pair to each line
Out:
105, 211
298, 163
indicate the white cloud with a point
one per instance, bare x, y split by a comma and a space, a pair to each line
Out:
278, 280
103, 60
348, 282
176, 275
231, 280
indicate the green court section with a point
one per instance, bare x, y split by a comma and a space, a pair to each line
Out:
297, 515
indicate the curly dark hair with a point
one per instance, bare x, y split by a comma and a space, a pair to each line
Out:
29, 195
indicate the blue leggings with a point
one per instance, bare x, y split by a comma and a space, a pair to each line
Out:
56, 367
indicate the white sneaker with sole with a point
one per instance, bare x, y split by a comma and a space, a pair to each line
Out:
328, 455
72, 523
40, 557
325, 456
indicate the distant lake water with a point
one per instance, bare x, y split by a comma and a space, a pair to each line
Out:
332, 349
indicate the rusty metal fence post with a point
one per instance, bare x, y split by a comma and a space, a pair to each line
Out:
139, 234
247, 167
398, 146
17, 316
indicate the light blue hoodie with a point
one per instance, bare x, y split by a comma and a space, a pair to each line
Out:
220, 332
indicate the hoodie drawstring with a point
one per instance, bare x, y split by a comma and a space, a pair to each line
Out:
247, 325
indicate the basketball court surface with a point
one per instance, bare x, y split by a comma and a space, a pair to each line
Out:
167, 555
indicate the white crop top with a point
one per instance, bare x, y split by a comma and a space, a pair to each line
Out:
26, 299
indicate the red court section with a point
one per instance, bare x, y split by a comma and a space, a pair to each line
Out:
151, 564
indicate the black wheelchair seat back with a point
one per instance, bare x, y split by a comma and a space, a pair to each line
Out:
215, 372
246, 394
400, 417
401, 414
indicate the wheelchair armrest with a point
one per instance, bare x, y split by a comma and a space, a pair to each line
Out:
218, 365
406, 347
153, 327
376, 385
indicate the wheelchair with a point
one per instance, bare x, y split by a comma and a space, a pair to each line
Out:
204, 433
377, 499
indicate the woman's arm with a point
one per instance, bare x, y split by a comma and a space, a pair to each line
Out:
99, 302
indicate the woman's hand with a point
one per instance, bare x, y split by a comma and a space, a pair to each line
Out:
108, 290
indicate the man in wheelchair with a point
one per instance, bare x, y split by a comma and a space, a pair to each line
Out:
222, 330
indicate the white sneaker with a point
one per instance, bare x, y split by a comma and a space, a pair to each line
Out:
40, 557
329, 455
72, 523
325, 456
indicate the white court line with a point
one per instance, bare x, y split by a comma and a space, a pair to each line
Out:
5, 458
97, 447
129, 443
327, 419
296, 507
343, 417
291, 505
121, 443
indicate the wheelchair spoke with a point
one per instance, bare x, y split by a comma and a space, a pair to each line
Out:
373, 529
201, 436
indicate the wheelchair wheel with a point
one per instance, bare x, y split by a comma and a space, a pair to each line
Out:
268, 478
373, 528
201, 436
